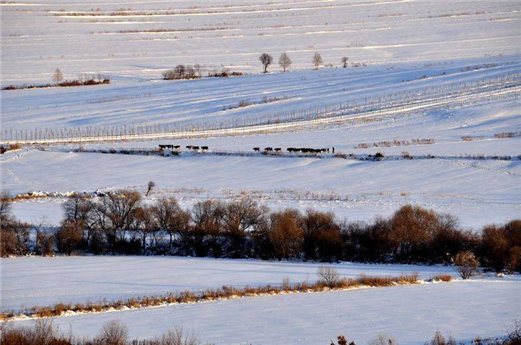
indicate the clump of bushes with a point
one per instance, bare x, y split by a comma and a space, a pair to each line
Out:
507, 135
9, 147
66, 83
183, 72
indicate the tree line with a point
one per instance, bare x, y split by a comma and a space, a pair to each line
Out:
285, 61
122, 223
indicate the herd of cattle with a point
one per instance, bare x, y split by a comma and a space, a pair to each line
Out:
177, 147
256, 149
293, 149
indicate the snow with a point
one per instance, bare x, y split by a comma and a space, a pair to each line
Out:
411, 314
39, 281
231, 33
478, 192
404, 46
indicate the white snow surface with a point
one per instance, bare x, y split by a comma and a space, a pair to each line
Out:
478, 192
133, 40
38, 281
411, 314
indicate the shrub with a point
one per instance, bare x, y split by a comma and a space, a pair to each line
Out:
286, 234
69, 236
383, 339
466, 264
182, 72
412, 228
328, 276
44, 243
439, 339
113, 333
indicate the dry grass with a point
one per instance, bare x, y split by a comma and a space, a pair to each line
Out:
396, 142
442, 278
225, 292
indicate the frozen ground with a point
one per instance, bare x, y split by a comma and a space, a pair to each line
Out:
37, 281
133, 40
406, 45
411, 314
478, 192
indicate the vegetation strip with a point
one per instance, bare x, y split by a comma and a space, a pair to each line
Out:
329, 281
359, 157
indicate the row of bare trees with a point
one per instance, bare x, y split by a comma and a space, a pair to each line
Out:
121, 222
285, 61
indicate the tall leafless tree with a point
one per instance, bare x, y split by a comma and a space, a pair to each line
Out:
317, 60
344, 61
150, 186
284, 61
266, 60
57, 76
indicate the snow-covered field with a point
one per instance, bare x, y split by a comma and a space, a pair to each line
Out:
478, 192
480, 307
411, 314
28, 282
132, 40
399, 46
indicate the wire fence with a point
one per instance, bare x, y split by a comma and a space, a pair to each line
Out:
383, 105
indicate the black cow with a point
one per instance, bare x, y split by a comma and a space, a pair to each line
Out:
195, 147
256, 149
189, 147
204, 148
268, 149
278, 149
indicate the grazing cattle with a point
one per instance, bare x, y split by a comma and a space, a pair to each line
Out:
164, 147
204, 148
278, 149
291, 149
256, 149
189, 147
195, 147
177, 147
268, 149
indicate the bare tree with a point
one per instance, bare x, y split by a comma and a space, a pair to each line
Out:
5, 204
344, 61
198, 69
383, 339
466, 264
328, 275
286, 233
113, 333
170, 217
266, 60
317, 60
175, 336
150, 186
284, 61
69, 236
57, 77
